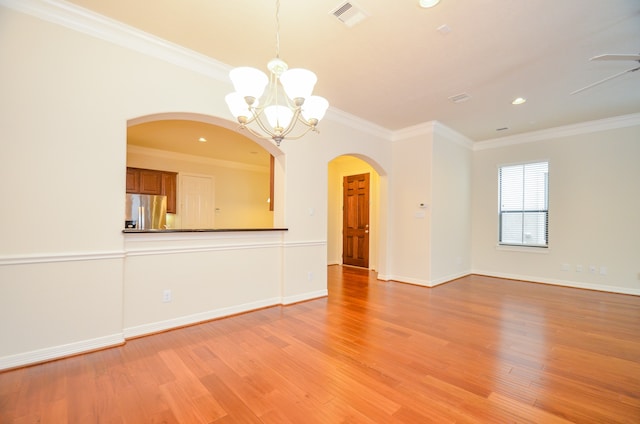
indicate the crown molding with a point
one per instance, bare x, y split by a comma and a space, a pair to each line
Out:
164, 154
425, 128
563, 131
357, 123
88, 22
93, 24
436, 128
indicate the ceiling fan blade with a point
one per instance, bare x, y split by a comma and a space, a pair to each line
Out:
605, 80
616, 57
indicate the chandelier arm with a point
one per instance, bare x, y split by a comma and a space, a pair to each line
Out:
256, 133
295, 137
264, 128
294, 120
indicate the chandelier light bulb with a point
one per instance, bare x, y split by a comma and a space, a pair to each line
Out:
249, 82
283, 99
314, 108
428, 3
238, 105
298, 83
279, 117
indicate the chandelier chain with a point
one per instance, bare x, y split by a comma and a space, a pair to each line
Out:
278, 28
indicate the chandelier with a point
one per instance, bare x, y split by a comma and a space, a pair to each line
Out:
283, 98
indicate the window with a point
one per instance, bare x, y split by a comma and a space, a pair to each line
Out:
524, 212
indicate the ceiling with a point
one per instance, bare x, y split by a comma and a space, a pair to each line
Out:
400, 65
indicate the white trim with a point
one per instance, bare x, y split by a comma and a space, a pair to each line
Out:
357, 123
564, 131
449, 278
305, 243
453, 136
402, 279
426, 128
165, 154
562, 283
63, 257
433, 128
523, 248
155, 327
57, 352
93, 24
303, 297
198, 249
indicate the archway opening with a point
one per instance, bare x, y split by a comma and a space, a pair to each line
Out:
341, 168
241, 172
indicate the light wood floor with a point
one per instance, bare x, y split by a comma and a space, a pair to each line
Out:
475, 350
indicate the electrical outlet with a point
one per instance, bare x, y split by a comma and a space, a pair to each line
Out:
578, 268
310, 276
166, 296
603, 270
592, 269
565, 267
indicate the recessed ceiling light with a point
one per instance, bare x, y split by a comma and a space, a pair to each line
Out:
428, 3
518, 101
202, 140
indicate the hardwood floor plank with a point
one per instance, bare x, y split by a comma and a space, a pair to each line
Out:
475, 350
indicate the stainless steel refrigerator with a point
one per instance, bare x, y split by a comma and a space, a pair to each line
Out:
146, 212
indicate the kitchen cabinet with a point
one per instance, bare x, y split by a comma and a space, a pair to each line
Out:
133, 180
169, 189
151, 181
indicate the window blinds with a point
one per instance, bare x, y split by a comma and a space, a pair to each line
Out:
524, 212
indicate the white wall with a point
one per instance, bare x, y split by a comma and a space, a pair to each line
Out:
70, 280
431, 189
594, 204
450, 206
410, 248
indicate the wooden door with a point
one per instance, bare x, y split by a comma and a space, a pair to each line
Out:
355, 220
196, 202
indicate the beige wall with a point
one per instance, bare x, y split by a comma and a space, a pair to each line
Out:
70, 280
594, 186
431, 215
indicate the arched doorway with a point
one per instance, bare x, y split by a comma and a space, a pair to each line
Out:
344, 167
244, 170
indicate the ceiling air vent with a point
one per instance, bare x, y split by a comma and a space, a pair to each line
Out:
348, 13
459, 98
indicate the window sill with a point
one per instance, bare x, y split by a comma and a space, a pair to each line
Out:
528, 249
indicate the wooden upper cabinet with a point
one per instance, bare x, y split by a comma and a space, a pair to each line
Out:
150, 181
169, 189
133, 180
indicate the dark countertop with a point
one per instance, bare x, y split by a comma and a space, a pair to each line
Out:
204, 230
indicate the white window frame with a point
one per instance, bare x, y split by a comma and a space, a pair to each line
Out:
529, 192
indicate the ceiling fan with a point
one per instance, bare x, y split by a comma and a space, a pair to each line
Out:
634, 57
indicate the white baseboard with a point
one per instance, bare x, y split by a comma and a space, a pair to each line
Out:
563, 283
402, 279
155, 327
57, 352
288, 300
